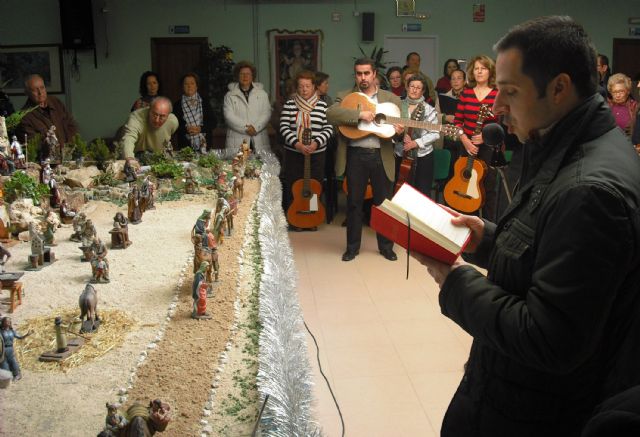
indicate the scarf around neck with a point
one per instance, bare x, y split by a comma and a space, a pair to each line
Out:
303, 117
192, 113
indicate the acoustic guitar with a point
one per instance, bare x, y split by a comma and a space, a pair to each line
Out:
386, 115
407, 169
306, 210
465, 191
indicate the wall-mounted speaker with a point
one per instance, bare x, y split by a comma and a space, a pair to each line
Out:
76, 22
368, 20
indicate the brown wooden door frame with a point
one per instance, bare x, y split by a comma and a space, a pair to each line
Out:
626, 56
171, 71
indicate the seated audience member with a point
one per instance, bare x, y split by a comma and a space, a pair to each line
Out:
49, 112
444, 83
304, 110
622, 106
394, 77
246, 110
195, 118
149, 89
149, 129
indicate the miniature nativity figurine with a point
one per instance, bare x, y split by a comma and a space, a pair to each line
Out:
88, 233
51, 226
238, 182
146, 421
220, 222
120, 232
190, 184
87, 236
4, 257
78, 226
209, 254
99, 263
146, 195
61, 338
45, 172
129, 172
54, 193
19, 159
201, 228
37, 245
53, 154
67, 215
199, 291
9, 335
114, 422
134, 212
88, 303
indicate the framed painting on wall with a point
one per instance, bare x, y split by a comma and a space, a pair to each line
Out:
289, 53
17, 62
405, 8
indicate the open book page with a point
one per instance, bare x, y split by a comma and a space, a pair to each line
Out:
430, 219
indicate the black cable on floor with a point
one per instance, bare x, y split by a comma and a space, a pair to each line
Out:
325, 376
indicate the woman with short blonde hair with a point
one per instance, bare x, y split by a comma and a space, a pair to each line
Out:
622, 105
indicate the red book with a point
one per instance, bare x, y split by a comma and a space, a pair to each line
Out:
432, 233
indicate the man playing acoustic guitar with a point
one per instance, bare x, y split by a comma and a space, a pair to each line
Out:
364, 156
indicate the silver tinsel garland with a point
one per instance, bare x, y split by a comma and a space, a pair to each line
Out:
284, 372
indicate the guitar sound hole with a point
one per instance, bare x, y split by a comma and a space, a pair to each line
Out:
380, 118
466, 174
306, 194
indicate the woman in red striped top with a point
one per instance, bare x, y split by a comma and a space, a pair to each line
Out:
481, 76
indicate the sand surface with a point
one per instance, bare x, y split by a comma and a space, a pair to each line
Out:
144, 281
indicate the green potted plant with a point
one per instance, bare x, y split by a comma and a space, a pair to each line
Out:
79, 150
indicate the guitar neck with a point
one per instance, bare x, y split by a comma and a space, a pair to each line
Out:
407, 122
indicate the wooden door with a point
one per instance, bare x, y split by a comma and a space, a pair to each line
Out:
171, 58
626, 57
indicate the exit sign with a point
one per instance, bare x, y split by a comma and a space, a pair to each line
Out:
179, 28
412, 27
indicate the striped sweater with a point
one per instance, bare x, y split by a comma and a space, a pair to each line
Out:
321, 131
468, 107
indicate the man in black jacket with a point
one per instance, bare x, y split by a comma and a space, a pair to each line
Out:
555, 321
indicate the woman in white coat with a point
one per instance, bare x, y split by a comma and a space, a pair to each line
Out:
246, 111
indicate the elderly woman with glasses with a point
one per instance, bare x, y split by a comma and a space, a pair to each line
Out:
623, 107
417, 144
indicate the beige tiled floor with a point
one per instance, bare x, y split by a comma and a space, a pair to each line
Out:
392, 359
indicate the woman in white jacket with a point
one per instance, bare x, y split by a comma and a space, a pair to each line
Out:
246, 111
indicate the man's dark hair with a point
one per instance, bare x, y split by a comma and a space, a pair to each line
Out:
604, 60
143, 82
319, 78
244, 64
412, 53
365, 61
190, 74
417, 78
554, 45
446, 63
393, 69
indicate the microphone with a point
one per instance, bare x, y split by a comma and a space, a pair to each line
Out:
493, 134
493, 137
